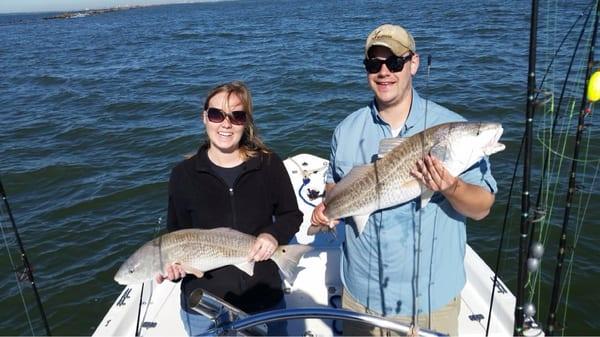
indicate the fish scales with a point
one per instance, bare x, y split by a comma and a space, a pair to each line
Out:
386, 174
182, 246
199, 250
388, 181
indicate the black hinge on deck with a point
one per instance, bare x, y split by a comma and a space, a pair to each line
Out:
476, 317
148, 325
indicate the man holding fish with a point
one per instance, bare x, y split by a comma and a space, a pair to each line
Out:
416, 198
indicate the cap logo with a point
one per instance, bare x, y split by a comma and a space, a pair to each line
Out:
380, 35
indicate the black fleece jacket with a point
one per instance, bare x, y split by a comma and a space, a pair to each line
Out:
262, 200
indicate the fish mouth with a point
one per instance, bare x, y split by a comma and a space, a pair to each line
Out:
119, 280
494, 148
494, 145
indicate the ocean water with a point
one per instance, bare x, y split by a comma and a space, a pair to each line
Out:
95, 111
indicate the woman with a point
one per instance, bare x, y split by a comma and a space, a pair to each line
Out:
233, 181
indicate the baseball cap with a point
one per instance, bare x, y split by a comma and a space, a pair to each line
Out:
393, 37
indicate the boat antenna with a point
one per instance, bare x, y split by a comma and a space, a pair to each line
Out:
27, 266
583, 112
525, 218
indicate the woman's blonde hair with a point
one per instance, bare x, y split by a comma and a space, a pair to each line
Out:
250, 144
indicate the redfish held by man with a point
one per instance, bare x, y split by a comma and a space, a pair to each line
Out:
200, 250
388, 182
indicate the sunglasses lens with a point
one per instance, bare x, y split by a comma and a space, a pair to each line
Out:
215, 115
393, 63
238, 117
373, 66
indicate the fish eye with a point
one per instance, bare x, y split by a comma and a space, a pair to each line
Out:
131, 271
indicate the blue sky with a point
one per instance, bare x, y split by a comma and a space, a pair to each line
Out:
15, 6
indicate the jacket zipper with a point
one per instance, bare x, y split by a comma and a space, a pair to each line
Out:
231, 195
232, 202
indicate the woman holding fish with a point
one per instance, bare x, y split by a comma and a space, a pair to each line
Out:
233, 181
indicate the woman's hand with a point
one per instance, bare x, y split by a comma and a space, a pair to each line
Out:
263, 248
174, 272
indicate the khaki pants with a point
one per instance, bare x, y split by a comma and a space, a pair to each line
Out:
444, 320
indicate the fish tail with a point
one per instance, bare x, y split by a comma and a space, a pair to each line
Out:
287, 258
316, 229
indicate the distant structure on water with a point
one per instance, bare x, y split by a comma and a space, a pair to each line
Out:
88, 12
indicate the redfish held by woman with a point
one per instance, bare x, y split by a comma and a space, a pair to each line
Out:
201, 250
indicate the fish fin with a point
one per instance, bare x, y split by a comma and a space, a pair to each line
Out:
441, 151
332, 235
361, 222
247, 267
191, 270
287, 257
316, 229
426, 197
349, 179
388, 144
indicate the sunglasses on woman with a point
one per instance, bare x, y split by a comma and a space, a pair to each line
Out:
217, 116
393, 63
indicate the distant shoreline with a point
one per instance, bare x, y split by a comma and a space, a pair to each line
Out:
89, 12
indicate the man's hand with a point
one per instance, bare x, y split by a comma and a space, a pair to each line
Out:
319, 222
431, 172
470, 200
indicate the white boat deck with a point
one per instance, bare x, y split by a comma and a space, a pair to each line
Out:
317, 285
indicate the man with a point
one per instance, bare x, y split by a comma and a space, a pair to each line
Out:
380, 271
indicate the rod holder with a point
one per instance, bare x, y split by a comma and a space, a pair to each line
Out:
221, 313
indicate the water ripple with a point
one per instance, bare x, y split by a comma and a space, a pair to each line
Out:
95, 112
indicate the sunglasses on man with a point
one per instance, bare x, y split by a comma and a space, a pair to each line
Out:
218, 116
393, 63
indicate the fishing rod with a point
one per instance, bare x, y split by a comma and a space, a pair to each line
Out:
560, 46
559, 105
536, 248
417, 256
25, 260
583, 112
525, 218
510, 192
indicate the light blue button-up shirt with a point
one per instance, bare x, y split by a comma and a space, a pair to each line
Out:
378, 266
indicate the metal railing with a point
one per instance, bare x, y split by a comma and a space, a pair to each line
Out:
230, 320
